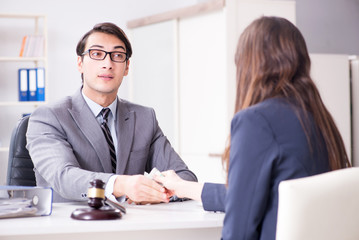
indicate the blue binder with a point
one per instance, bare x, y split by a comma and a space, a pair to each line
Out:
40, 88
23, 84
32, 84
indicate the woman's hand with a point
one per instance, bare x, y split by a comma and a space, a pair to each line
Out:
140, 189
172, 182
179, 187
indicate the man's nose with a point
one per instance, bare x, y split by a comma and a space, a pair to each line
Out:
107, 62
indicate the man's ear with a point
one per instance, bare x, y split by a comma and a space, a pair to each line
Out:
79, 64
127, 67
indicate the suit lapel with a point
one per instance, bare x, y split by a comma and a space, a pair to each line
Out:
89, 126
125, 132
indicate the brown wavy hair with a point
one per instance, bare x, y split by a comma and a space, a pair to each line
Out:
272, 60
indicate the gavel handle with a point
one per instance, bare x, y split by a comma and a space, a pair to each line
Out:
115, 205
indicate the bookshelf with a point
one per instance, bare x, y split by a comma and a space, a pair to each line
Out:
14, 27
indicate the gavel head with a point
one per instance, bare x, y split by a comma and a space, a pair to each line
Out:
96, 194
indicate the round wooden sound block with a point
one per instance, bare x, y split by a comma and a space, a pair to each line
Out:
96, 214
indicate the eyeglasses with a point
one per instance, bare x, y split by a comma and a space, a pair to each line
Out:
97, 54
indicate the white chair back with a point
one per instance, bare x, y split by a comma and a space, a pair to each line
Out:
320, 207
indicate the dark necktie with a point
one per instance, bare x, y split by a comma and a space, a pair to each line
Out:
105, 112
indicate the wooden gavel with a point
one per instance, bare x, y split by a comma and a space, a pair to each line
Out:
97, 201
96, 194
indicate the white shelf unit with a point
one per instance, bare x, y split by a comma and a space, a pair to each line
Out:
13, 27
23, 59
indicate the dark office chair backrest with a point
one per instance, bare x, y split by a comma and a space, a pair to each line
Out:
20, 167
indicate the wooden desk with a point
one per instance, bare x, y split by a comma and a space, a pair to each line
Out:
179, 220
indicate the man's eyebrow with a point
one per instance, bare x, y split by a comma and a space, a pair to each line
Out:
98, 46
116, 47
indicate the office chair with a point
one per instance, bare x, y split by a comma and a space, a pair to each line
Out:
324, 206
20, 167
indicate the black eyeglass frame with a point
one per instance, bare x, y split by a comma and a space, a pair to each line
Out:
110, 53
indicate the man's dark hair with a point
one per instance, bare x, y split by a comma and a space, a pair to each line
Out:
108, 28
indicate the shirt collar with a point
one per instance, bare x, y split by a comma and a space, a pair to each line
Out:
96, 108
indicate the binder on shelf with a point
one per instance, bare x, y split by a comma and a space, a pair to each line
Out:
32, 46
40, 88
32, 87
29, 45
23, 84
39, 46
31, 84
21, 201
23, 44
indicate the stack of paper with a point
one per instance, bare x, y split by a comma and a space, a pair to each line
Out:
16, 207
18, 201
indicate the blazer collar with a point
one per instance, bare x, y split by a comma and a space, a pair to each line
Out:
87, 123
125, 133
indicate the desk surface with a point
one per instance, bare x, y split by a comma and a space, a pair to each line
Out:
176, 220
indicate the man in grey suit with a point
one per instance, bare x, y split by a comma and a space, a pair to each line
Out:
68, 145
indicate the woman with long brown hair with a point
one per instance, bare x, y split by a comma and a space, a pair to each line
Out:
281, 130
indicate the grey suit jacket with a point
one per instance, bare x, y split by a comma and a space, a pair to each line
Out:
68, 148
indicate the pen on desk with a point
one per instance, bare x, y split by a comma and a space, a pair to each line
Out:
115, 205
